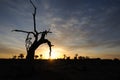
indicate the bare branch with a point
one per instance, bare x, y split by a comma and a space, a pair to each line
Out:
32, 4
50, 45
23, 31
34, 14
49, 31
20, 31
45, 32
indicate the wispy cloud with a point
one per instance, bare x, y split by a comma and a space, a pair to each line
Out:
76, 24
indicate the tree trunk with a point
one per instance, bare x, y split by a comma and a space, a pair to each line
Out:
31, 51
30, 55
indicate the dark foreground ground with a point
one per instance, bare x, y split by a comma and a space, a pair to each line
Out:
60, 70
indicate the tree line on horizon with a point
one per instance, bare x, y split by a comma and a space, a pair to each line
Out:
65, 57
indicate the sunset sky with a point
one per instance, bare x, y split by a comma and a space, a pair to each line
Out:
84, 27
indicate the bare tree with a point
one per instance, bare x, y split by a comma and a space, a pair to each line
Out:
32, 44
21, 56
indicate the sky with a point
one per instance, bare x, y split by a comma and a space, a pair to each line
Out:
84, 27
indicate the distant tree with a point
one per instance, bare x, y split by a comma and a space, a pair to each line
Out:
14, 57
41, 56
21, 56
76, 56
64, 56
87, 57
97, 58
68, 58
33, 43
116, 59
36, 56
81, 57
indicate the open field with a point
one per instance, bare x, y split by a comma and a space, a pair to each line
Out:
17, 69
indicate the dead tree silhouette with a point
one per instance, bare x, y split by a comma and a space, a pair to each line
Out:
30, 45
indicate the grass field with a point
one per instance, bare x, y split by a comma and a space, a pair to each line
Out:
91, 69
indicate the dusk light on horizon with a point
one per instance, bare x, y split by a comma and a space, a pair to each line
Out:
84, 27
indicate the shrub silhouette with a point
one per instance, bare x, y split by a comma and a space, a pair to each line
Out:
21, 56
14, 57
36, 56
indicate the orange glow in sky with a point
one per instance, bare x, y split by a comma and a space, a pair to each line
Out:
44, 50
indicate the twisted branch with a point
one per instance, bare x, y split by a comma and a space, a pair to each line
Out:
50, 45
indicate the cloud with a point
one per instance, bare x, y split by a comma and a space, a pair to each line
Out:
4, 49
76, 24
89, 31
